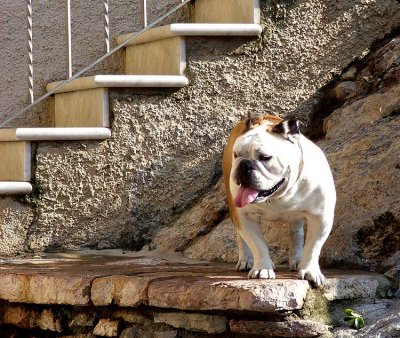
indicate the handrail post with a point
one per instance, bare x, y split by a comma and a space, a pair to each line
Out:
69, 38
144, 13
107, 25
30, 51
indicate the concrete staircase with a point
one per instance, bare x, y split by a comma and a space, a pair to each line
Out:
155, 59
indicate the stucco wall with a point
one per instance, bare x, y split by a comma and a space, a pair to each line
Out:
166, 147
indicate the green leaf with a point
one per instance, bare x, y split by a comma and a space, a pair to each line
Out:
362, 322
347, 318
351, 322
356, 323
349, 312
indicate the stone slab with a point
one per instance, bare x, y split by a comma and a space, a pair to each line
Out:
44, 288
128, 279
217, 293
25, 318
119, 290
291, 328
106, 328
193, 321
353, 287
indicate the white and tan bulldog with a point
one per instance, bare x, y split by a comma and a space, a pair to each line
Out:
274, 173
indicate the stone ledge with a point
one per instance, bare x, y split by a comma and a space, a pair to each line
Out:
133, 279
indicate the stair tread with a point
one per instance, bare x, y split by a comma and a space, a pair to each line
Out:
11, 187
121, 81
169, 281
53, 134
193, 29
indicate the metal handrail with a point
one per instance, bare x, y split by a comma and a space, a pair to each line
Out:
102, 58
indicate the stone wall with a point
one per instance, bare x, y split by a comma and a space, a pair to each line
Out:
115, 293
165, 150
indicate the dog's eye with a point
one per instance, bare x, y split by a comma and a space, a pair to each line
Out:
235, 155
264, 158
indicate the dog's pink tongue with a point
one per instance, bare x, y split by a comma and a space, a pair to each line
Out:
245, 196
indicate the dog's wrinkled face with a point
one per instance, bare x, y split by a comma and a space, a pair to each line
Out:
266, 161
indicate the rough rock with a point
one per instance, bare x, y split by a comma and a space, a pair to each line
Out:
82, 319
44, 289
106, 328
202, 294
195, 222
291, 328
350, 287
165, 149
79, 335
25, 318
208, 247
349, 74
345, 89
362, 145
120, 290
130, 317
387, 326
132, 332
193, 321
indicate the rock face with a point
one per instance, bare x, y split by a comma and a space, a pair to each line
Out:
362, 144
165, 150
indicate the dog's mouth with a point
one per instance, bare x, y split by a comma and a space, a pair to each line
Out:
247, 195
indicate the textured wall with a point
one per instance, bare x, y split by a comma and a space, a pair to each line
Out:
49, 45
166, 146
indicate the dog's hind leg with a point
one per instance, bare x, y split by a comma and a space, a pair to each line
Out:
245, 262
297, 241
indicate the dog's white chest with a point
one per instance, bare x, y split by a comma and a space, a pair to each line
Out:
273, 212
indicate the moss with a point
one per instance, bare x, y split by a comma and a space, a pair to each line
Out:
316, 307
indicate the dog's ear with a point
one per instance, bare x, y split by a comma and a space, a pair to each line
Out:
253, 119
288, 128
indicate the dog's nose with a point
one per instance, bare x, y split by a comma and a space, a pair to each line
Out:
244, 172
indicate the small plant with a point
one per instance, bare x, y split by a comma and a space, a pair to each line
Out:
354, 319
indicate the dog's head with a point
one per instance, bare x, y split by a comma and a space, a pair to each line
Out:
266, 160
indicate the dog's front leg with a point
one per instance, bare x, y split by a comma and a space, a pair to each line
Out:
245, 261
297, 241
251, 233
318, 229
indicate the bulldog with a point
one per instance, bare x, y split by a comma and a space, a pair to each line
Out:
274, 173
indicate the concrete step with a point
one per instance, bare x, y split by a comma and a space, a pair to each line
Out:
54, 134
162, 50
84, 102
120, 81
15, 188
192, 29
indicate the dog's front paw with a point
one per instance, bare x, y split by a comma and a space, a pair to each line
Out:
262, 273
313, 274
244, 264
